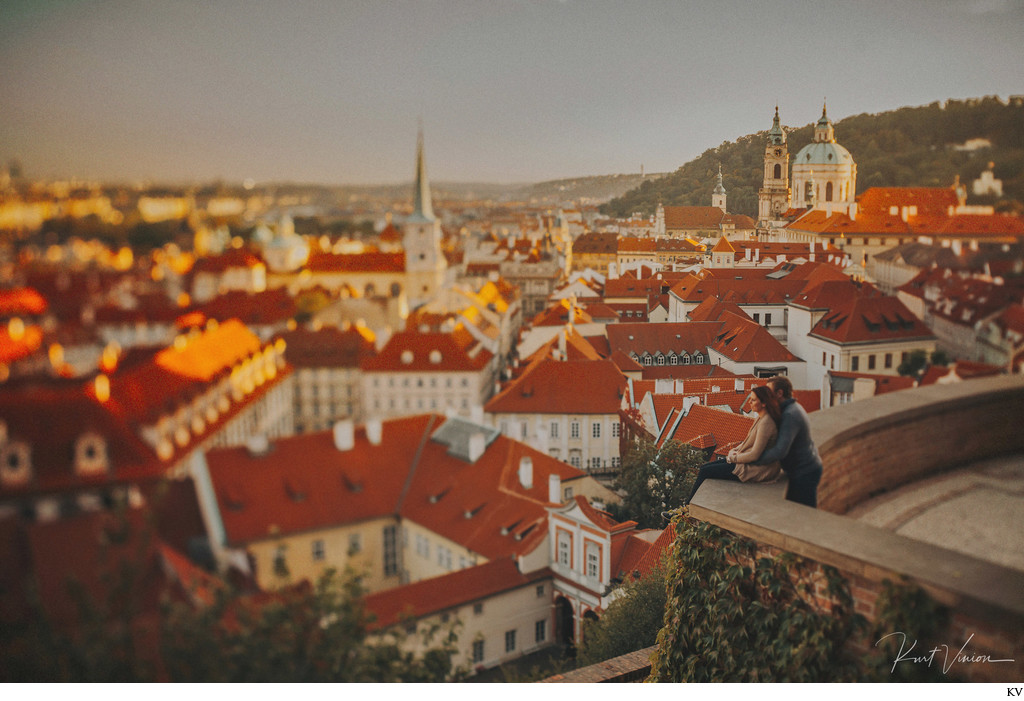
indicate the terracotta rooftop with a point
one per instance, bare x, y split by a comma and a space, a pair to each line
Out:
432, 351
563, 387
328, 347
866, 319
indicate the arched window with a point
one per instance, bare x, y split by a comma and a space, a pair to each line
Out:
828, 192
809, 190
778, 171
660, 359
396, 289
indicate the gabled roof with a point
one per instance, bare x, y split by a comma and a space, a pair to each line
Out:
931, 201
693, 217
688, 336
576, 347
742, 340
562, 387
449, 591
831, 294
703, 427
711, 309
868, 319
594, 243
431, 351
481, 505
558, 314
723, 246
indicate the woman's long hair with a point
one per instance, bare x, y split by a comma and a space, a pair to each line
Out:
771, 404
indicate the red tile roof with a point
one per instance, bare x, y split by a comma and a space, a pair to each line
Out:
930, 201
635, 244
703, 427
271, 306
231, 258
261, 496
449, 591
742, 340
693, 218
22, 301
688, 336
328, 347
723, 246
867, 319
558, 314
682, 372
711, 309
368, 262
557, 387
432, 351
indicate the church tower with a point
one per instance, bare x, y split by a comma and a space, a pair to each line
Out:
718, 195
774, 196
425, 263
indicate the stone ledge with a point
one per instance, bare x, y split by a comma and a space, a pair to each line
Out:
761, 513
631, 667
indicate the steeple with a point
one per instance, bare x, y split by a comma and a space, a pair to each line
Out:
423, 209
718, 195
823, 130
719, 188
776, 135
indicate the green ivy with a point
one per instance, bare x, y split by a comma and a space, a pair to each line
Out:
734, 615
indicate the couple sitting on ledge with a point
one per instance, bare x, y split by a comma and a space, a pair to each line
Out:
779, 441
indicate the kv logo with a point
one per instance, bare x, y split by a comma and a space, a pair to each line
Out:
1014, 691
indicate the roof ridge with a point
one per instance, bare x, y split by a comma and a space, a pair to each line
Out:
415, 462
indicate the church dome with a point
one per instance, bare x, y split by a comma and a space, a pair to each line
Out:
827, 153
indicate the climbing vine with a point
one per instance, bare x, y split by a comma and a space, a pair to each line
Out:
737, 614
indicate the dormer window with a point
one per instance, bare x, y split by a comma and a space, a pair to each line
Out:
407, 357
15, 465
91, 455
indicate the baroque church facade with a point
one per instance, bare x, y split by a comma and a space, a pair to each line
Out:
824, 178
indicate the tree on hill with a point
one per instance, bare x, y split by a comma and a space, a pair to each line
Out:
907, 147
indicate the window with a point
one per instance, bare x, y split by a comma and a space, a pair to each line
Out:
355, 543
478, 651
888, 360
595, 430
510, 641
524, 430
593, 560
823, 357
757, 318
390, 551
854, 363
567, 494
777, 172
616, 430
574, 429
503, 427
832, 362
575, 460
478, 609
318, 550
540, 631
616, 462
540, 591
554, 429
564, 549
828, 192
871, 362
767, 319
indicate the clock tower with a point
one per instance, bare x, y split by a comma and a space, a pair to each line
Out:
774, 196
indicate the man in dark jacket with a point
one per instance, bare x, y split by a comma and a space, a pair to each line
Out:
794, 448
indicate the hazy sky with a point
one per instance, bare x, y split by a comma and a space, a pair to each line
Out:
508, 91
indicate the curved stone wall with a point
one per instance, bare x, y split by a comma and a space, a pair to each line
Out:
878, 444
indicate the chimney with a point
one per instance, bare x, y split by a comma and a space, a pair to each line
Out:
344, 434
555, 489
738, 384
476, 413
689, 402
257, 445
374, 430
526, 472
561, 344
477, 445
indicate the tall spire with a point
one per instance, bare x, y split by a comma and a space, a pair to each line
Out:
719, 188
777, 135
423, 209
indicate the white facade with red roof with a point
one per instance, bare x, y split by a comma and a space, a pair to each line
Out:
428, 371
568, 409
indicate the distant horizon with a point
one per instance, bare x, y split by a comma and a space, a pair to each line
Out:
506, 92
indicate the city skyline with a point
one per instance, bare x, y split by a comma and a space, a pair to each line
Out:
509, 92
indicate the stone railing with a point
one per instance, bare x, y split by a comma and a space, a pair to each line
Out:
874, 446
